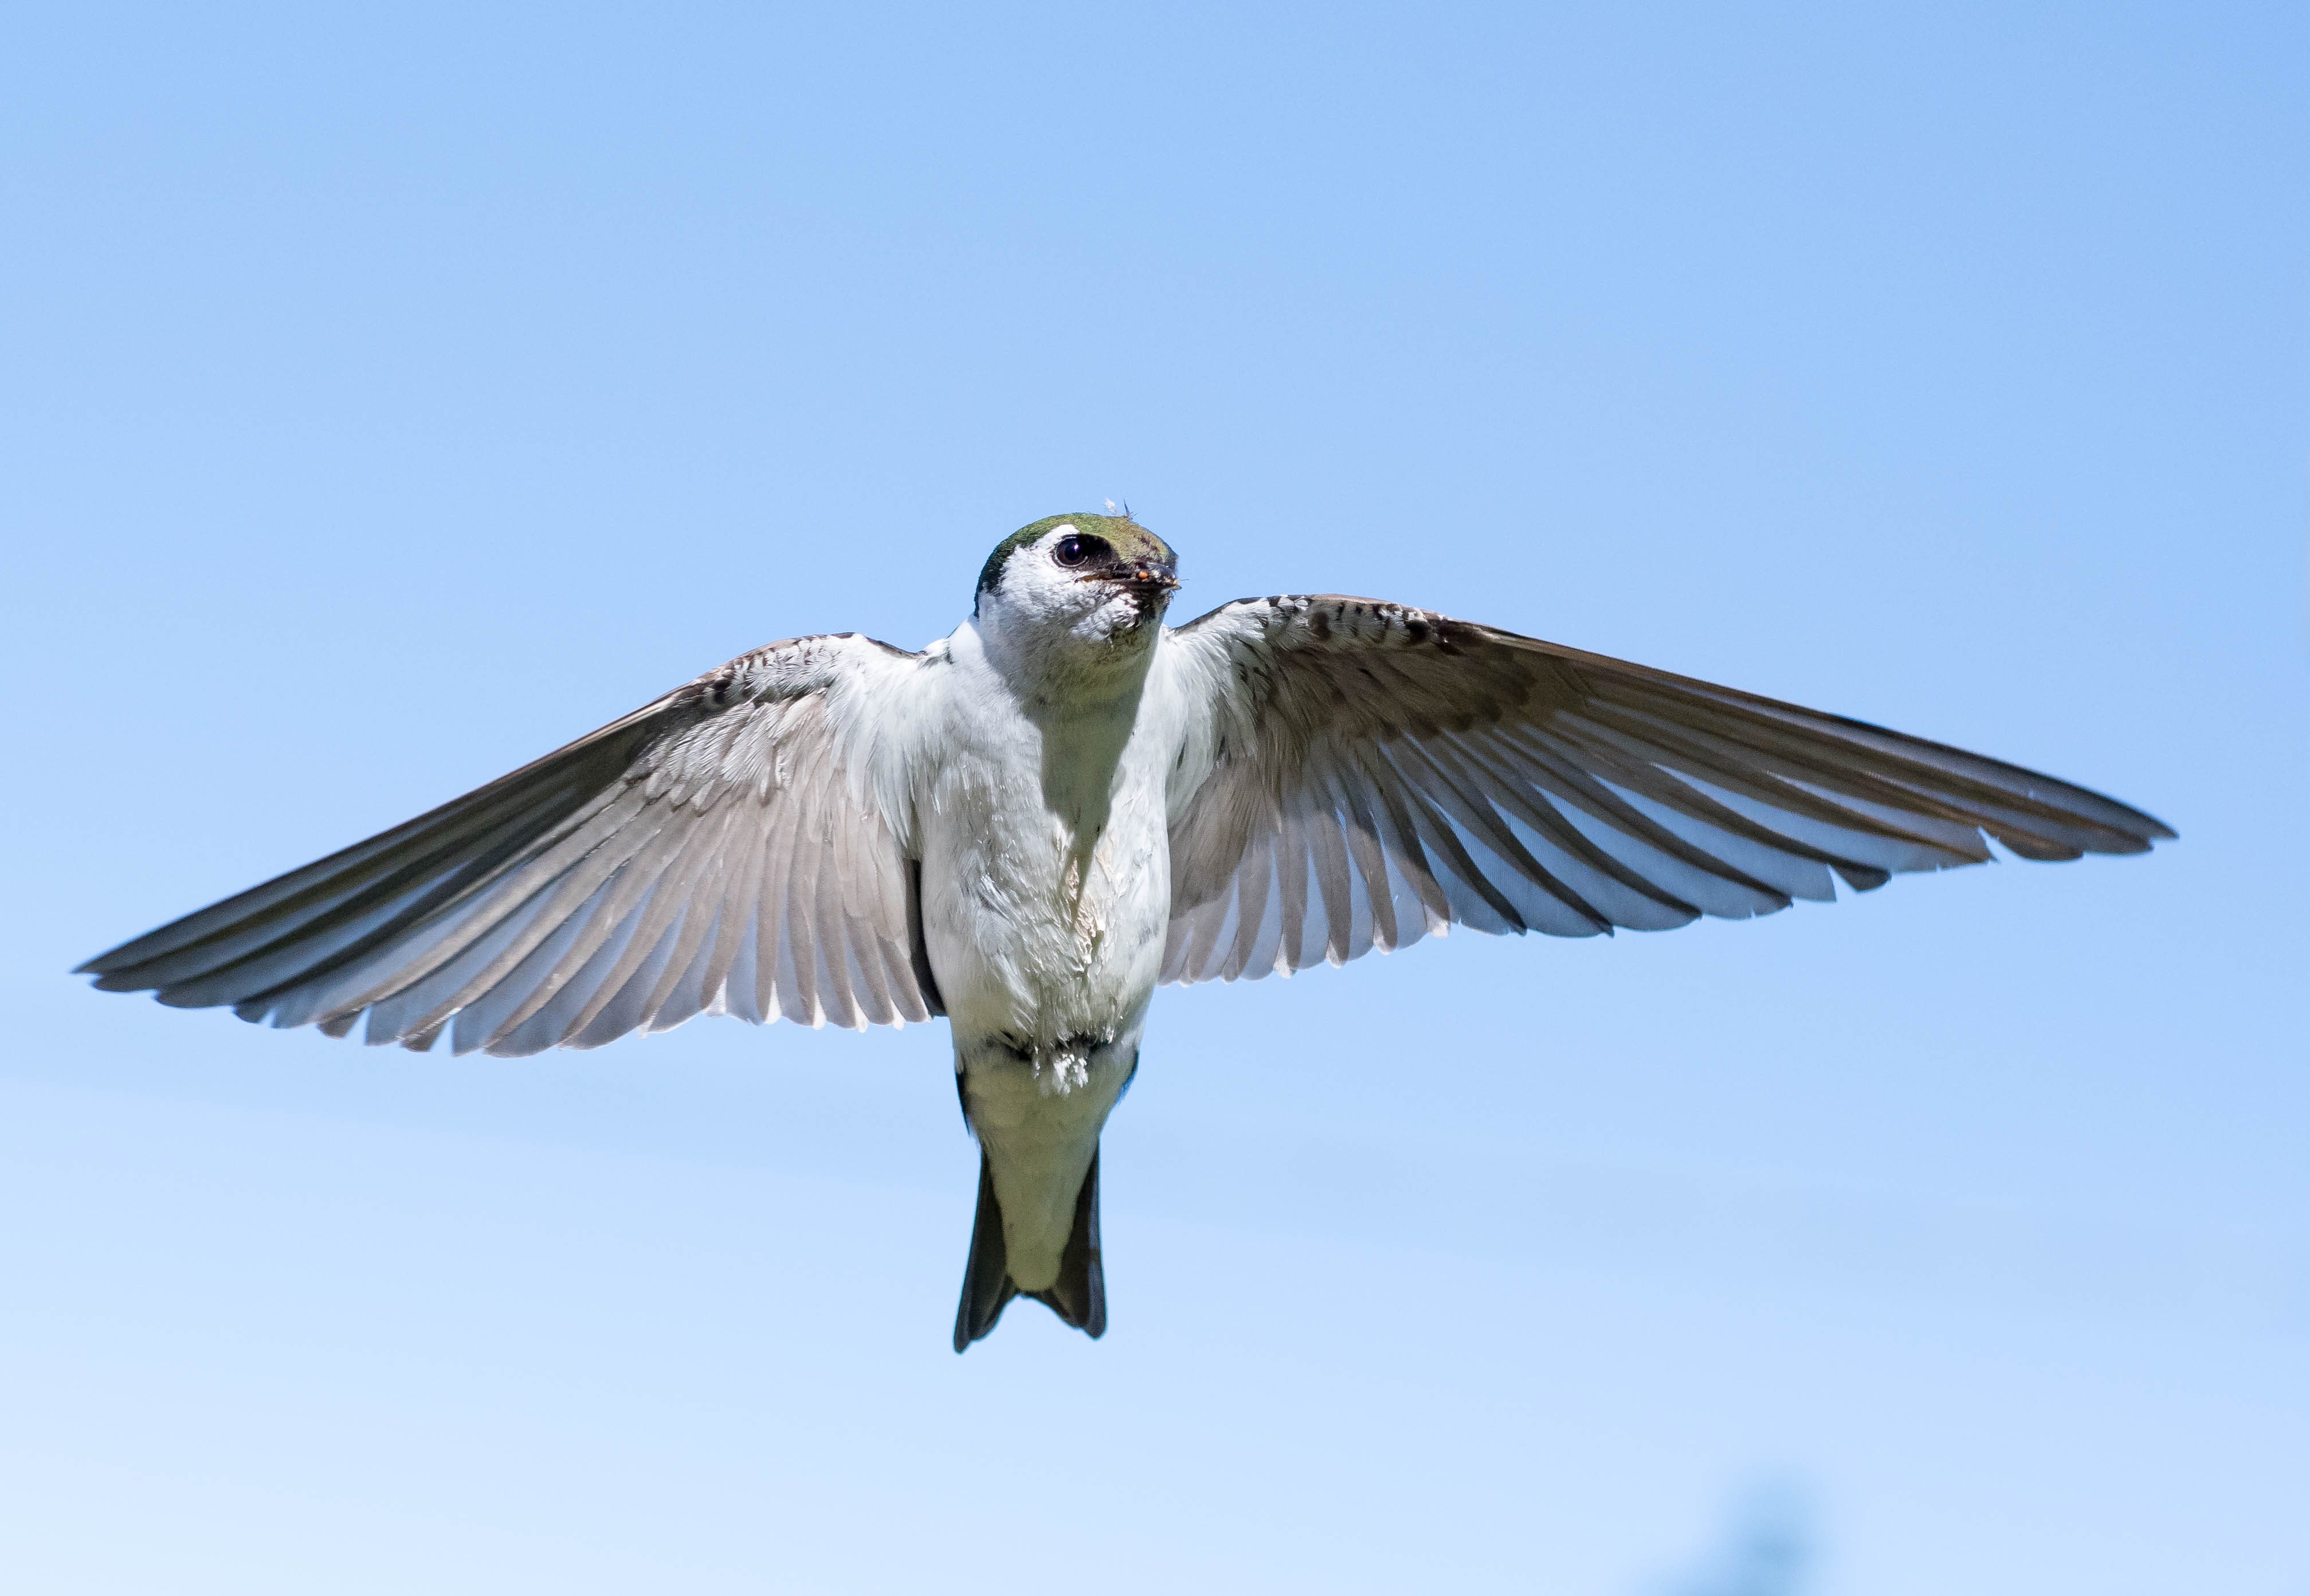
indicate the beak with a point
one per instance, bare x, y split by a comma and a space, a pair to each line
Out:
1145, 576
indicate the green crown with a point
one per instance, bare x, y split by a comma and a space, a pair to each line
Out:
1124, 535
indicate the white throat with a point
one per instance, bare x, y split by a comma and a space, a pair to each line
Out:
1071, 654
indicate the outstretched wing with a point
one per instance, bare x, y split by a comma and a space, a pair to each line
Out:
1358, 773
721, 850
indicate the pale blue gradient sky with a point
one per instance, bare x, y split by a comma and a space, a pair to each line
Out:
388, 400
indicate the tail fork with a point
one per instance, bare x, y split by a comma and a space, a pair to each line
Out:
1079, 1296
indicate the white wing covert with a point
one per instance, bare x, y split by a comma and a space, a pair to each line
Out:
722, 850
1358, 774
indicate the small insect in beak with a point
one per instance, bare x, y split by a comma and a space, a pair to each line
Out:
1144, 578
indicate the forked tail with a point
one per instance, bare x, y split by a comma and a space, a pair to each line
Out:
1078, 1297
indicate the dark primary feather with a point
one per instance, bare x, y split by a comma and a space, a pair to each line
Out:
707, 852
1377, 772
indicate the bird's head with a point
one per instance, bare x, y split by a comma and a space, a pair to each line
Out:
1098, 580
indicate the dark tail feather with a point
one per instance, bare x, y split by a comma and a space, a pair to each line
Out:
1079, 1296
987, 1285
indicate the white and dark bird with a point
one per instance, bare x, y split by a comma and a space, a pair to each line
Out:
1033, 822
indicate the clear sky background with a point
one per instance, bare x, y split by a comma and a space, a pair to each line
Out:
391, 393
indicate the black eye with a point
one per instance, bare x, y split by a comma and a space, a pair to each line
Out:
1073, 550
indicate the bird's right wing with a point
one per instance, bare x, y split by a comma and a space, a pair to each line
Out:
1356, 774
736, 846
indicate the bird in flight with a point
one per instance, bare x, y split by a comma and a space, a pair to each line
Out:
1033, 822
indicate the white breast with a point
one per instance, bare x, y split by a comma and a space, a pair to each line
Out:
1046, 858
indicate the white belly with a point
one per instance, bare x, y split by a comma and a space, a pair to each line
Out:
1045, 923
1045, 899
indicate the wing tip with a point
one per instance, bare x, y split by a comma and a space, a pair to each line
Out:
113, 980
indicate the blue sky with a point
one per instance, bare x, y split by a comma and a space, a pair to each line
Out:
389, 398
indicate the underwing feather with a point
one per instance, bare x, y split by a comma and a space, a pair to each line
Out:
1511, 785
713, 851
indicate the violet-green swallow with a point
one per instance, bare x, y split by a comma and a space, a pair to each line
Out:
1033, 822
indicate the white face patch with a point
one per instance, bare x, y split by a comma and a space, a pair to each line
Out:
1060, 599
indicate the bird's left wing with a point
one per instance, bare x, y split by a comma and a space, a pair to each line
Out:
1356, 774
736, 846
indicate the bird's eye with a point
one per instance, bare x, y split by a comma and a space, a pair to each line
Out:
1071, 550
